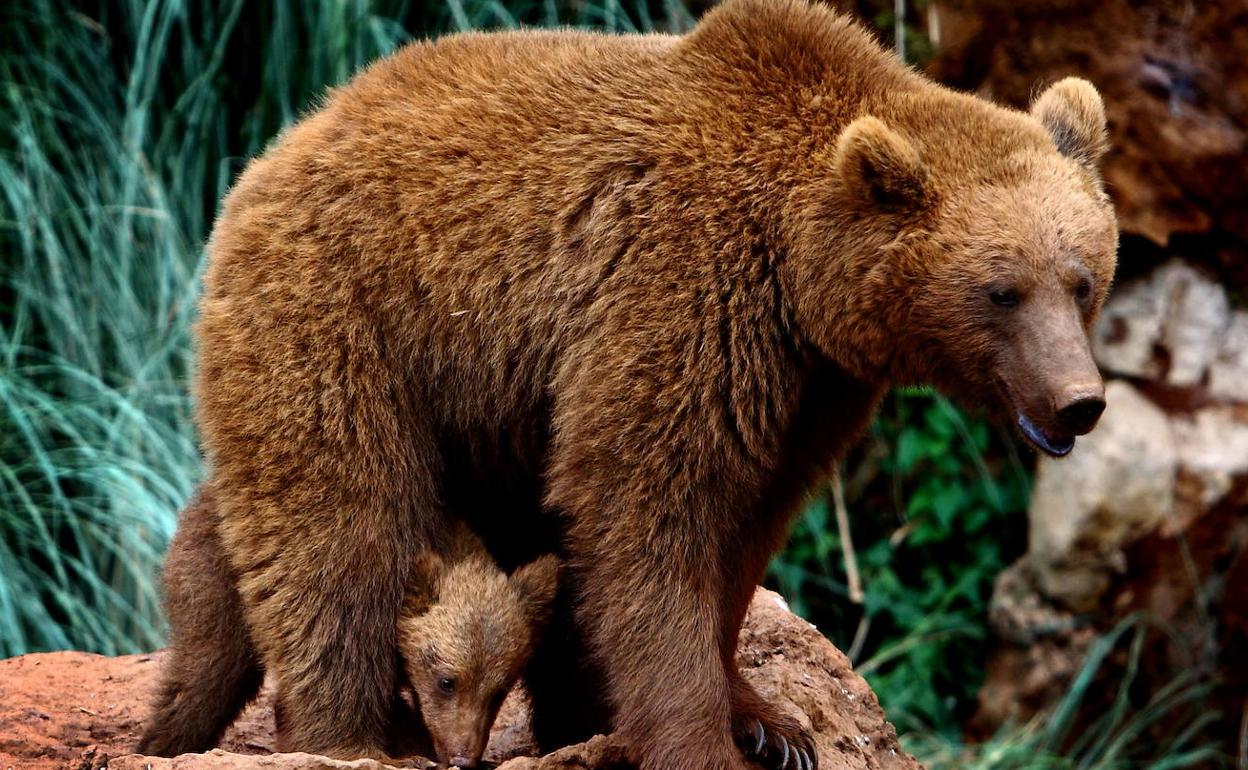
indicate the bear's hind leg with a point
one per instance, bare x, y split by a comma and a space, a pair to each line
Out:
323, 606
199, 697
322, 554
212, 671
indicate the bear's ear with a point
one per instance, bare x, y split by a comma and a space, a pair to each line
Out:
880, 165
536, 584
1072, 111
424, 583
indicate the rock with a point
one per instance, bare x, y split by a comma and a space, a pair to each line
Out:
85, 712
1228, 374
1116, 486
225, 760
1019, 613
1212, 446
1170, 326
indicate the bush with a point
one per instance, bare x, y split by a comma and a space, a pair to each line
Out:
935, 501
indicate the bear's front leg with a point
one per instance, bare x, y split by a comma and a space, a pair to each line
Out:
663, 581
660, 457
649, 607
764, 732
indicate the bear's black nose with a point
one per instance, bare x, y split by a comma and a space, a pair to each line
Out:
1080, 416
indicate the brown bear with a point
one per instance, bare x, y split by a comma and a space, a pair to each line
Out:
466, 631
648, 287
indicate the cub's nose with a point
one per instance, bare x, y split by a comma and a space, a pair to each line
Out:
1080, 410
462, 761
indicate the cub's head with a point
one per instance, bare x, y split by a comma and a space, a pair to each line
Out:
978, 245
465, 635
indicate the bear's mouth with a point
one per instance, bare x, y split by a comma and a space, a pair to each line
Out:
1058, 445
1052, 444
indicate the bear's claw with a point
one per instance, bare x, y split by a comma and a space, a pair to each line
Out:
804, 762
777, 752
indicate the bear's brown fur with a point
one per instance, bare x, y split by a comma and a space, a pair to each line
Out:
463, 620
650, 286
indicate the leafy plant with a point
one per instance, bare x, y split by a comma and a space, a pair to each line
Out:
935, 502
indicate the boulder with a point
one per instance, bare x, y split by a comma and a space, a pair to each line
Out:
85, 712
1171, 327
1228, 374
1212, 450
1117, 486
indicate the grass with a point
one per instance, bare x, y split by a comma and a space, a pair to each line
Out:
121, 126
1163, 730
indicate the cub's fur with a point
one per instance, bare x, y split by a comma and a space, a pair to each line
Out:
466, 636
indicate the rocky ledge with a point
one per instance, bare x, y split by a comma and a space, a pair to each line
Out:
85, 712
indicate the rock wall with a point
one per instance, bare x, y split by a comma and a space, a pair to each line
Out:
85, 712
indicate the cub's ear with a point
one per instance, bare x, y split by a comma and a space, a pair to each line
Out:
880, 165
536, 583
424, 582
1072, 111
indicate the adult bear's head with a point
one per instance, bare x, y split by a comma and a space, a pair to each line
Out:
960, 244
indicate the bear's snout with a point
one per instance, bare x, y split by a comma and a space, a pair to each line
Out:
1080, 407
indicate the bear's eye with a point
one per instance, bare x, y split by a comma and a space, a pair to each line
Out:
1084, 289
1003, 297
446, 685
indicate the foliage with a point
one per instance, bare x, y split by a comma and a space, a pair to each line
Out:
935, 500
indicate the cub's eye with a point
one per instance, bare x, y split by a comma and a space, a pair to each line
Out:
1084, 289
446, 685
1003, 297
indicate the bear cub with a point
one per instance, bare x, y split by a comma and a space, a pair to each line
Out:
465, 633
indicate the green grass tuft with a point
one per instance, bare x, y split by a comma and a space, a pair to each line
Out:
1166, 731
